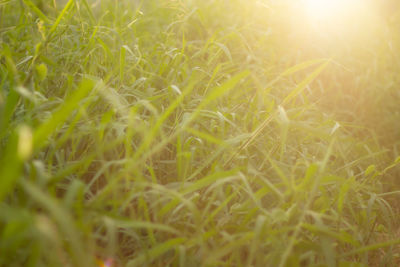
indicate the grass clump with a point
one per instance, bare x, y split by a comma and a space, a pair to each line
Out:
196, 133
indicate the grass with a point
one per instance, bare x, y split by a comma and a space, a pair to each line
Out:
197, 133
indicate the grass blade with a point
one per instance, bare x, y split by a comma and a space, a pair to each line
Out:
62, 113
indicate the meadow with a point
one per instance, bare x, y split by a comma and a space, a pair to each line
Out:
199, 133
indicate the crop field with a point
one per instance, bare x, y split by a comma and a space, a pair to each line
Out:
199, 133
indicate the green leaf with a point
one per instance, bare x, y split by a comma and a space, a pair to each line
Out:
10, 165
155, 252
302, 66
208, 180
143, 225
62, 113
343, 192
60, 16
303, 84
369, 170
37, 11
41, 71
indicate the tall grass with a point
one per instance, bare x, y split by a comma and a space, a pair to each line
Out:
196, 133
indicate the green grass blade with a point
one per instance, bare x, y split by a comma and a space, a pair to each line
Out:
61, 114
303, 84
37, 11
157, 251
63, 12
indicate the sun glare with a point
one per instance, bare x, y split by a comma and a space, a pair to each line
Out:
328, 9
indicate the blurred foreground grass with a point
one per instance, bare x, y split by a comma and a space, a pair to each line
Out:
197, 133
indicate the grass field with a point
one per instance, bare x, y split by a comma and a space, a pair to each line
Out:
199, 133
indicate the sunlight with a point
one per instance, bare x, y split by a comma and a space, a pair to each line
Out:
328, 9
